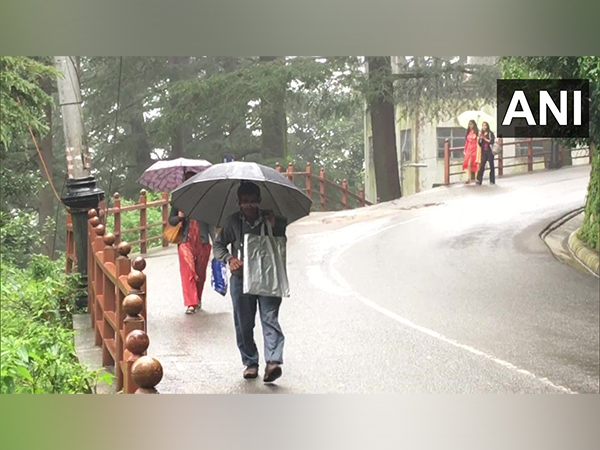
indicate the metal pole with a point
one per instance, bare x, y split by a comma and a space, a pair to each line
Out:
81, 191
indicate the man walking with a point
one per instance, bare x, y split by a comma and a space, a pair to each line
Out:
250, 220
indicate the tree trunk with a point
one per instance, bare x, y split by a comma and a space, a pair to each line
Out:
141, 145
273, 119
381, 106
46, 197
177, 133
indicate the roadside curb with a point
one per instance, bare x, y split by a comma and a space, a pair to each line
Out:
560, 222
585, 256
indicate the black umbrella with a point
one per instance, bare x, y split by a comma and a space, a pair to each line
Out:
211, 196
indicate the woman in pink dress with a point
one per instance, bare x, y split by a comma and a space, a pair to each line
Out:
470, 162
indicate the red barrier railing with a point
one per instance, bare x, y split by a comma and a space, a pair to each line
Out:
117, 307
325, 197
515, 161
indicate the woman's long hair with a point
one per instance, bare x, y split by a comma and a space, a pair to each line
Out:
475, 129
488, 131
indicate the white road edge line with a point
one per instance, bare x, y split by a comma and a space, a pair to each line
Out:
404, 321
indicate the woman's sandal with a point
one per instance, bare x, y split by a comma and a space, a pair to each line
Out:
190, 310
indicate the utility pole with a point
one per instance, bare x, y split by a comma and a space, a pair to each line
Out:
81, 191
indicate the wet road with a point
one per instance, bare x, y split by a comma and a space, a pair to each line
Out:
449, 291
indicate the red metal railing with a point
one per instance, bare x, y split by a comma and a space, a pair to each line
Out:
514, 161
330, 195
325, 187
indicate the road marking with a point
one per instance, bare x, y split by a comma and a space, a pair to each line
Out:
406, 322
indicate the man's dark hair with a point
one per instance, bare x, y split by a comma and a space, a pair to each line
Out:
248, 188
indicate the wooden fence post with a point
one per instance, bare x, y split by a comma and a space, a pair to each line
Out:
147, 373
322, 188
308, 180
136, 344
110, 305
290, 172
530, 155
447, 161
143, 223
137, 281
361, 194
102, 213
165, 216
117, 219
97, 245
345, 194
123, 267
93, 221
500, 157
278, 167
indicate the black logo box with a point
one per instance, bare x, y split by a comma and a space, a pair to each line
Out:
519, 128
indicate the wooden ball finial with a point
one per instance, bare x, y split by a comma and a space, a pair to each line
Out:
139, 263
124, 248
137, 342
147, 373
109, 239
95, 221
92, 213
136, 279
100, 230
133, 305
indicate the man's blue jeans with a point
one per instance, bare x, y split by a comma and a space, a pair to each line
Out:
244, 314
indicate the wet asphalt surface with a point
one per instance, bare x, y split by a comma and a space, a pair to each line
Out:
448, 291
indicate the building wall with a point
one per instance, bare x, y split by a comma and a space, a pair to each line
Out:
424, 149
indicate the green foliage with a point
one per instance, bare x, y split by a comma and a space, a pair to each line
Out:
131, 219
20, 236
20, 82
433, 87
571, 67
567, 67
37, 351
590, 230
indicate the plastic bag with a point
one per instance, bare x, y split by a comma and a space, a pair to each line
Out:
264, 266
218, 278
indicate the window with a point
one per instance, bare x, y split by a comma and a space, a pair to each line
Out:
457, 139
406, 145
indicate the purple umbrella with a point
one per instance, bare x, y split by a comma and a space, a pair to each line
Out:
169, 174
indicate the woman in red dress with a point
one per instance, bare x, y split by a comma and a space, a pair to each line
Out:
194, 254
470, 162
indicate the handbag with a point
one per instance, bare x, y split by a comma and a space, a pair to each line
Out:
265, 272
218, 278
173, 233
495, 149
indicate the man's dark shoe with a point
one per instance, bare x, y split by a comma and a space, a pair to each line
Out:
272, 372
251, 372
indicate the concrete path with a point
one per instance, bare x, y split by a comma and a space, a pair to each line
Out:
449, 291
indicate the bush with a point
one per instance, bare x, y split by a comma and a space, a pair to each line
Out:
37, 342
590, 231
20, 236
131, 219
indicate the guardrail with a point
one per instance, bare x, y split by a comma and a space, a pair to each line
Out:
530, 159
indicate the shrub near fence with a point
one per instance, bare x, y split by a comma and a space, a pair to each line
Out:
37, 342
130, 220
